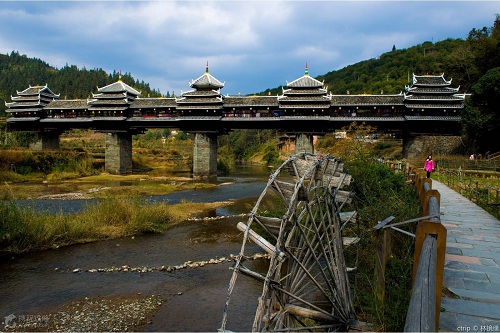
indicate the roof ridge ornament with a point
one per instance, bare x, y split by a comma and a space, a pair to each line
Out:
306, 72
206, 69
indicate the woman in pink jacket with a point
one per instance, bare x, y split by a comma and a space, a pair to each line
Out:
429, 166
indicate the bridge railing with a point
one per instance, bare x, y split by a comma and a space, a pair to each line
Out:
430, 246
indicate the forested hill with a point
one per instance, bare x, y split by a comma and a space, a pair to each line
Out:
390, 72
17, 72
464, 61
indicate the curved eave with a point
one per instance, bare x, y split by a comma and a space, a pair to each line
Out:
434, 106
67, 120
201, 93
113, 95
434, 78
119, 86
217, 100
417, 99
323, 99
433, 118
110, 108
24, 110
108, 102
199, 107
23, 119
206, 81
305, 82
380, 119
318, 91
367, 104
109, 118
304, 106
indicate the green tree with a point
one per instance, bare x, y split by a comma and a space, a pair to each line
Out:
481, 116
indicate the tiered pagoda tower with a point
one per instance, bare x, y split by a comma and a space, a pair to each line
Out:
113, 100
204, 100
305, 96
112, 103
432, 95
31, 101
27, 108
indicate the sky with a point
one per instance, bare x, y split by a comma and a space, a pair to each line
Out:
249, 45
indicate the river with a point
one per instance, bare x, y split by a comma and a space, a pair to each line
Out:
193, 299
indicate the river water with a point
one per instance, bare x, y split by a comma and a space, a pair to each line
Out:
193, 298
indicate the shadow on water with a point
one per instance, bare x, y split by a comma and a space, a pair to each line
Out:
193, 298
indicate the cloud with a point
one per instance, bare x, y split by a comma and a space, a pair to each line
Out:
252, 45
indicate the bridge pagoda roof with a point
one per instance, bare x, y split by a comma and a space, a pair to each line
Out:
206, 100
304, 82
37, 91
242, 101
430, 80
31, 99
455, 106
153, 103
68, 104
118, 87
117, 96
113, 95
349, 100
304, 93
206, 81
205, 96
432, 92
432, 98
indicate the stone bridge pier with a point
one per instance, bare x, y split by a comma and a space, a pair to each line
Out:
118, 154
46, 141
205, 155
304, 143
417, 147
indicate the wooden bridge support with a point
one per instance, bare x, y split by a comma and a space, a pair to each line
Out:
304, 143
118, 156
46, 141
205, 155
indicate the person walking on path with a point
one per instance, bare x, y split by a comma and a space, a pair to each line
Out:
429, 166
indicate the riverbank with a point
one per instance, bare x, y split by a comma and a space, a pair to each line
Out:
99, 186
26, 230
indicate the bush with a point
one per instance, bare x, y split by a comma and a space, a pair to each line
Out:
23, 229
381, 193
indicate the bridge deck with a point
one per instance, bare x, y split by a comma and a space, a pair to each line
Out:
472, 265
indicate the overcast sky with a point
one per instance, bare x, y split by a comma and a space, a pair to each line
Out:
249, 45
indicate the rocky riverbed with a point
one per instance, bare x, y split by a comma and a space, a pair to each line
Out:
114, 314
108, 314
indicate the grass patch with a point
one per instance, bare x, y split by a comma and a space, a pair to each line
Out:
24, 230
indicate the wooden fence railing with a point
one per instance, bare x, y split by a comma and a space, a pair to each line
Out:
486, 196
430, 245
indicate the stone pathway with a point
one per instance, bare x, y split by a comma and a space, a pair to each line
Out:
472, 265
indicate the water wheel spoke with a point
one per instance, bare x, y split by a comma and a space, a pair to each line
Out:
306, 286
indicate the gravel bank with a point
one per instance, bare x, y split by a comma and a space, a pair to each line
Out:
113, 314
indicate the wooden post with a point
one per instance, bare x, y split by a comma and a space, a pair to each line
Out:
438, 231
383, 253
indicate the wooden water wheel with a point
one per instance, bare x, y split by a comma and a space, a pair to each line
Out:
306, 287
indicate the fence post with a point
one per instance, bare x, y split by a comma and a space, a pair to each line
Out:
383, 248
438, 231
433, 227
383, 252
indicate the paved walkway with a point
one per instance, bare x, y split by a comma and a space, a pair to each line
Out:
472, 265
